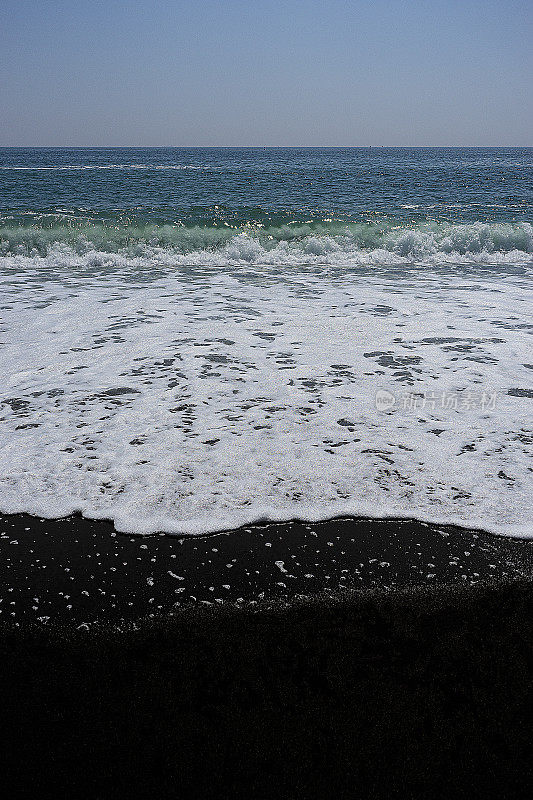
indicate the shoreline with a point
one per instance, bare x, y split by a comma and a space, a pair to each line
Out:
76, 571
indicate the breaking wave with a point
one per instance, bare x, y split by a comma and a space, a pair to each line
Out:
291, 243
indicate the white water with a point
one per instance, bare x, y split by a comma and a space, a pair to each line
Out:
197, 398
73, 234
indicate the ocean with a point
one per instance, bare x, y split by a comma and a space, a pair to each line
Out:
193, 340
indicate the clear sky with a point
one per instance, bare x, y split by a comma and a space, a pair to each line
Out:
266, 72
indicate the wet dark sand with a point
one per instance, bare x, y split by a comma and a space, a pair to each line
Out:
77, 571
374, 659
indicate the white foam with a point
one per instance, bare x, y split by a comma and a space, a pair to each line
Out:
206, 397
76, 167
332, 244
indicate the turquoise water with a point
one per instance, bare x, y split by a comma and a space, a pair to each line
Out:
195, 339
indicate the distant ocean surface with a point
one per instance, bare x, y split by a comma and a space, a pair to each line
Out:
197, 339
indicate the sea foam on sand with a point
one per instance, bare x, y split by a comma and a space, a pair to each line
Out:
192, 398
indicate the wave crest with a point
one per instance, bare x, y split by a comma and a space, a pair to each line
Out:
290, 244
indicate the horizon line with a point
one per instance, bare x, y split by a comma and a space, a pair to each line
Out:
265, 147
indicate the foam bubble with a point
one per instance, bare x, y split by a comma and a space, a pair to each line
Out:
177, 392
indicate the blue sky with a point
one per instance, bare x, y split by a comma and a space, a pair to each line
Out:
266, 72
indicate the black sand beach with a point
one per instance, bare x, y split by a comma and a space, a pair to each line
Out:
75, 571
351, 658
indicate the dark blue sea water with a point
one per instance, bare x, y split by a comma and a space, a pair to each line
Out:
194, 339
